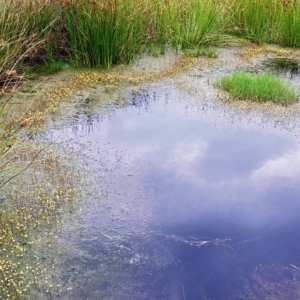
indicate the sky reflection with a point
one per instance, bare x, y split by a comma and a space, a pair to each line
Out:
208, 177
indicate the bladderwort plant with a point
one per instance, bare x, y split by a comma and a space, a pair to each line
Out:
30, 222
209, 52
8, 137
258, 87
31, 209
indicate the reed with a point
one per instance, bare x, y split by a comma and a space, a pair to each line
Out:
25, 28
266, 21
256, 20
101, 33
107, 32
289, 26
198, 23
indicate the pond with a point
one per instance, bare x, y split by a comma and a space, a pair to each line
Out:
195, 195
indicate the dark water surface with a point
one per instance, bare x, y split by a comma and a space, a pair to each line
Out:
194, 202
282, 64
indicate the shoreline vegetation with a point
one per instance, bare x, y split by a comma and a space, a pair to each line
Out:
94, 33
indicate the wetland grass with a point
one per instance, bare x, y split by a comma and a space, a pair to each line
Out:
107, 32
51, 67
209, 52
103, 33
258, 87
196, 23
25, 33
266, 21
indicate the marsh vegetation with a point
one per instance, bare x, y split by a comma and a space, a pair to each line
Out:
258, 87
102, 33
30, 222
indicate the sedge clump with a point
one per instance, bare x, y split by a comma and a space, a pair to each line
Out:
258, 87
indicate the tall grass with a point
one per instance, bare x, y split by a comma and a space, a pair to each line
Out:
98, 33
90, 29
25, 28
197, 23
289, 31
256, 19
106, 32
267, 21
43, 20
14, 39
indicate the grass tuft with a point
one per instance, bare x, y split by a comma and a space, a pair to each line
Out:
51, 67
209, 52
258, 87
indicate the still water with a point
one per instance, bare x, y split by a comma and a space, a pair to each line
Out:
191, 203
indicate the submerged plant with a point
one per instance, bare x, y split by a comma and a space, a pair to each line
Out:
274, 282
258, 87
30, 220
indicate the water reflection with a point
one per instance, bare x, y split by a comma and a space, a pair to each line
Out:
142, 101
282, 64
194, 203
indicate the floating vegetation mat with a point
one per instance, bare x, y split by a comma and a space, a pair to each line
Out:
85, 78
197, 86
36, 109
33, 208
249, 53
